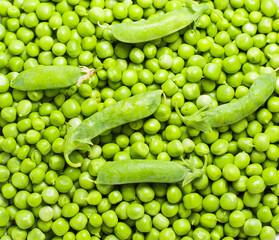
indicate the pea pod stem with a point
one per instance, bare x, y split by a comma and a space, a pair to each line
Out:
194, 172
125, 111
152, 171
89, 72
232, 112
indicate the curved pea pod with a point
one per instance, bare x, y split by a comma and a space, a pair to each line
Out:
152, 171
125, 111
230, 113
158, 27
50, 77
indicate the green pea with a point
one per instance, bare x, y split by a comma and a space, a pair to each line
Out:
24, 219
160, 221
73, 48
4, 83
242, 160
228, 62
110, 218
219, 187
228, 201
86, 181
174, 194
267, 232
129, 77
70, 210
175, 148
79, 221
254, 169
252, 227
192, 200
8, 191
104, 49
219, 147
9, 145
201, 149
194, 74
37, 175
71, 108
191, 91
201, 233
272, 152
46, 213
213, 172
188, 145
27, 165
270, 200
270, 176
135, 211
36, 233
20, 180
208, 220
139, 150
16, 47
255, 184
231, 172
144, 192
261, 142
210, 203
60, 226
264, 214
122, 230
50, 195
6, 100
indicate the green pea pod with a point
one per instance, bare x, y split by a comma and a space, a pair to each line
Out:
50, 77
125, 111
158, 27
155, 171
230, 113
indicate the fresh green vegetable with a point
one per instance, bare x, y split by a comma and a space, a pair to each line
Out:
128, 110
212, 61
50, 77
161, 26
143, 171
233, 112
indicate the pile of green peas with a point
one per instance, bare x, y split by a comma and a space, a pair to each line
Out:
41, 197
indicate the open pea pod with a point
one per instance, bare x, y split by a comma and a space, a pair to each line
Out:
125, 111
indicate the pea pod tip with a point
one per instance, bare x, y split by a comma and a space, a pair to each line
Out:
69, 162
